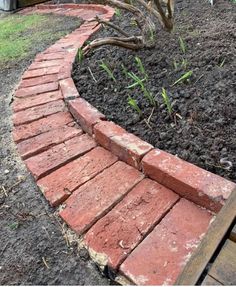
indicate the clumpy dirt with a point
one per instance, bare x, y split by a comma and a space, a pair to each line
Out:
202, 126
33, 240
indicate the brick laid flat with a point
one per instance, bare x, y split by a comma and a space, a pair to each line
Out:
57, 186
35, 90
96, 197
126, 146
35, 113
160, 258
41, 126
46, 140
20, 104
200, 186
38, 81
41, 72
114, 236
45, 64
46, 162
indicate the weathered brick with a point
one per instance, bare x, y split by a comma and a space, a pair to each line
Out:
162, 255
46, 64
38, 112
86, 115
68, 89
50, 56
24, 103
126, 146
43, 125
46, 140
114, 236
38, 81
57, 156
198, 185
30, 91
95, 198
41, 72
58, 185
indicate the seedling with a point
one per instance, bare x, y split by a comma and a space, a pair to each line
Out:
139, 82
175, 64
182, 45
222, 63
117, 12
108, 71
140, 66
124, 70
184, 63
133, 103
184, 77
166, 101
80, 55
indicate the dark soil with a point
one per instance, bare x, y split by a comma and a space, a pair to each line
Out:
30, 231
202, 127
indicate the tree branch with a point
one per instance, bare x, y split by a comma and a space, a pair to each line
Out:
110, 24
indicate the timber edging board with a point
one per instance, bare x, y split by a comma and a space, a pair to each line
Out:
203, 254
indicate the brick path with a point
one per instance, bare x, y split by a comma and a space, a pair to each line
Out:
141, 211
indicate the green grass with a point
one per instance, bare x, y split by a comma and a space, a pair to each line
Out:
22, 35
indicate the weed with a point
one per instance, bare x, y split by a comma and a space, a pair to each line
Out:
108, 71
133, 103
222, 62
124, 70
14, 225
118, 12
80, 55
166, 101
139, 82
140, 66
184, 63
182, 45
184, 77
175, 64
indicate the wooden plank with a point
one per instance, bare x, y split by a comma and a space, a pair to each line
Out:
224, 267
209, 281
199, 260
24, 3
232, 235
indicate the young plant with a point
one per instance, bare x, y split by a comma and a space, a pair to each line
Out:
166, 100
139, 82
184, 77
182, 45
140, 66
175, 64
184, 63
222, 63
124, 70
108, 71
133, 103
117, 12
80, 55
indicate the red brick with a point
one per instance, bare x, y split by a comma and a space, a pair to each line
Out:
65, 71
126, 146
38, 112
41, 72
43, 125
95, 198
161, 257
38, 81
57, 156
86, 115
24, 103
68, 89
114, 236
46, 140
196, 184
35, 90
58, 185
50, 56
45, 64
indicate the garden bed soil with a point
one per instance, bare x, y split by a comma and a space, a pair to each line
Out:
203, 128
35, 247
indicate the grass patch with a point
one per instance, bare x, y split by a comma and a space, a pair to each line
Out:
22, 36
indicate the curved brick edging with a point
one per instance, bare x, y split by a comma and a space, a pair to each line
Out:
132, 224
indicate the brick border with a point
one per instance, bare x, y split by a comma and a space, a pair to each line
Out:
78, 158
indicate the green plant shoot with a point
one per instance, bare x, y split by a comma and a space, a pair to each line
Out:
80, 55
108, 71
184, 77
182, 45
117, 12
133, 103
140, 66
166, 101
